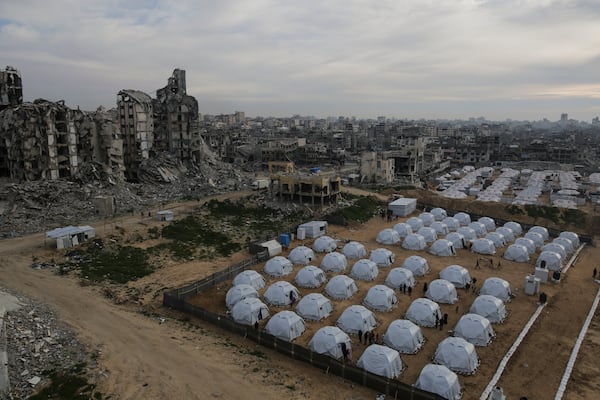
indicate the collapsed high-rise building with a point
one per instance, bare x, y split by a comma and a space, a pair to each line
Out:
11, 88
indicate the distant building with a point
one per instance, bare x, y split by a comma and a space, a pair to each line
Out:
11, 88
376, 169
564, 117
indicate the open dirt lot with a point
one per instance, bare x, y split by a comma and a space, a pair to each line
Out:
193, 360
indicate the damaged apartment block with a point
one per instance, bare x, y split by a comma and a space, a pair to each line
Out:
11, 88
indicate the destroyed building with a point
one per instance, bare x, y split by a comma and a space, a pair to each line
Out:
11, 88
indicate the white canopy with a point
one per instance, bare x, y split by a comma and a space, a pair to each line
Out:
452, 223
239, 292
250, 277
415, 223
364, 270
328, 341
572, 236
301, 255
428, 234
489, 307
516, 252
334, 262
442, 291
404, 336
341, 287
464, 219
380, 298
475, 329
479, 228
457, 239
427, 218
509, 235
528, 243
457, 275
314, 307
496, 287
458, 355
324, 244
381, 360
488, 222
440, 228
310, 277
483, 246
439, 213
285, 325
497, 238
400, 276
278, 266
536, 237
281, 293
356, 318
423, 311
249, 311
541, 230
403, 229
388, 236
468, 233
354, 250
382, 257
440, 380
515, 227
417, 265
442, 247
555, 247
549, 259
414, 241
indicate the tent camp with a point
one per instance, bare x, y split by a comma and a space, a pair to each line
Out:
427, 218
489, 307
457, 275
404, 336
310, 277
250, 277
497, 238
452, 223
566, 243
488, 222
479, 228
403, 229
314, 307
572, 236
464, 219
324, 244
516, 252
442, 247
555, 247
509, 235
354, 250
417, 265
428, 234
528, 243
439, 213
550, 260
440, 228
414, 241
483, 246
341, 287
281, 293
301, 255
423, 312
249, 311
441, 291
388, 236
239, 292
541, 230
285, 325
515, 227
458, 355
382, 257
457, 239
400, 276
328, 341
536, 238
468, 233
440, 380
415, 223
380, 298
364, 270
474, 329
278, 266
356, 318
496, 287
334, 262
381, 360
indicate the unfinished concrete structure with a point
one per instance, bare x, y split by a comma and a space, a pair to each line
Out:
313, 189
11, 88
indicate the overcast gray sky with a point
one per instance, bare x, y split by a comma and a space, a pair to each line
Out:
526, 59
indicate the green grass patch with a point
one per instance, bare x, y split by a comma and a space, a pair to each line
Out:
362, 210
574, 217
119, 265
549, 213
514, 209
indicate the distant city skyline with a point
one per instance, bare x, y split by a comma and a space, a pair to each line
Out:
415, 59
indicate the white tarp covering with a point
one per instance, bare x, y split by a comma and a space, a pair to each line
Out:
341, 287
310, 277
334, 262
428, 234
414, 241
550, 260
250, 277
364, 270
249, 311
541, 230
488, 222
516, 252
515, 227
497, 238
278, 266
238, 293
324, 244
442, 291
496, 287
382, 257
557, 248
285, 325
489, 307
403, 229
474, 329
273, 247
402, 206
457, 239
440, 380
458, 275
572, 236
415, 223
479, 228
417, 265
528, 243
509, 235
301, 255
388, 236
381, 360
400, 276
537, 238
281, 293
404, 336
423, 312
354, 250
452, 223
464, 219
380, 298
328, 341
439, 213
314, 307
566, 243
442, 247
458, 355
440, 228
468, 233
356, 318
483, 246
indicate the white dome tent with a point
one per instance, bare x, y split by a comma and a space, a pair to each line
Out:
423, 312
439, 213
555, 247
515, 227
483, 246
464, 219
398, 277
441, 291
516, 252
550, 260
334, 262
489, 307
341, 287
509, 235
403, 229
414, 241
249, 311
314, 307
356, 318
440, 380
301, 255
364, 270
281, 293
474, 329
479, 228
428, 234
328, 341
354, 250
468, 233
537, 238
458, 275
541, 230
572, 236
382, 257
496, 287
415, 223
528, 243
427, 218
285, 325
497, 238
417, 265
457, 239
324, 244
458, 355
488, 222
381, 360
452, 223
404, 336
380, 298
278, 266
250, 277
310, 277
443, 248
566, 243
440, 228
239, 292
388, 236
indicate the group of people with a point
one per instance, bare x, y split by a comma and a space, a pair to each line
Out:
369, 337
440, 322
406, 289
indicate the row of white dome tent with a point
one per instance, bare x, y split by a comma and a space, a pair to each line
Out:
494, 192
534, 188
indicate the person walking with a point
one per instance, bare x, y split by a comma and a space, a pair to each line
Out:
424, 287
410, 290
594, 273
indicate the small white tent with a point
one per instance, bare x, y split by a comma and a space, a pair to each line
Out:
474, 329
439, 213
417, 265
555, 247
440, 228
541, 230
381, 360
239, 292
423, 311
497, 238
388, 236
250, 277
442, 247
324, 244
457, 239
536, 237
285, 325
341, 287
382, 257
400, 276
404, 336
516, 252
354, 250
301, 255
464, 219
427, 218
452, 223
483, 246
310, 277
528, 243
328, 341
515, 227
457, 275
496, 287
488, 222
249, 311
278, 266
468, 233
414, 241
364, 270
428, 234
489, 307
440, 380
550, 260
403, 229
281, 293
356, 318
509, 235
572, 236
380, 298
458, 355
334, 262
566, 243
442, 291
479, 228
415, 223
314, 307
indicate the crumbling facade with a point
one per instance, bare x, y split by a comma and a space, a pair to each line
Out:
11, 88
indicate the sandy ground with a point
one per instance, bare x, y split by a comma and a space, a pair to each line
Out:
194, 360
